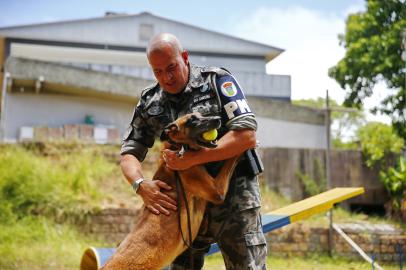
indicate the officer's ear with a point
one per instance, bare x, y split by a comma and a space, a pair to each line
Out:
185, 57
171, 128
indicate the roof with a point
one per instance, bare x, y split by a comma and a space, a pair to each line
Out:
122, 30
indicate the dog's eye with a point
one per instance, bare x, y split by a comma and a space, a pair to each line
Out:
189, 122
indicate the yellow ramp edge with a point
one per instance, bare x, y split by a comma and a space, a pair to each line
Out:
318, 203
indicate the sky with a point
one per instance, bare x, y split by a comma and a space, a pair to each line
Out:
307, 30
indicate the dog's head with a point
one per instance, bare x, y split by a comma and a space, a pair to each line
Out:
189, 130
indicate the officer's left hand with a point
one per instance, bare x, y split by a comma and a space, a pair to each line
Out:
174, 162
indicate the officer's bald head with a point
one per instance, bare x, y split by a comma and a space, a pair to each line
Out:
164, 42
169, 62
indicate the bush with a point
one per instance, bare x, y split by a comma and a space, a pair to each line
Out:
394, 180
41, 186
378, 141
54, 187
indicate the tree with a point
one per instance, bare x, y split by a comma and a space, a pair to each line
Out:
378, 142
344, 124
380, 145
373, 43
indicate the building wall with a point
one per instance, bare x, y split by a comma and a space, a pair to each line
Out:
57, 110
288, 134
250, 72
125, 30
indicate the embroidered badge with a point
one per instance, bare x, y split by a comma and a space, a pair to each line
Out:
155, 110
228, 89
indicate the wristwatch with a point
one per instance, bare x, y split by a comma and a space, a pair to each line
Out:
136, 184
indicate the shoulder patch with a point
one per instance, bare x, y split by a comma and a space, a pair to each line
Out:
229, 89
232, 98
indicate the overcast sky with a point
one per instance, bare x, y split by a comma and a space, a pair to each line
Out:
307, 30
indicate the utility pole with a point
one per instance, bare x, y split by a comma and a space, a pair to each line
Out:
328, 170
327, 110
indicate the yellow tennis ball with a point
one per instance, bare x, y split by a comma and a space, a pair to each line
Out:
210, 135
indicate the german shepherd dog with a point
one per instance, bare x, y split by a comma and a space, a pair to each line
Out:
156, 240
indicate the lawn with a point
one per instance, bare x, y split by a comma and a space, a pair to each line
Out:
46, 189
314, 262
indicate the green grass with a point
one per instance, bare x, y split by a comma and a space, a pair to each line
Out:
313, 262
46, 189
62, 186
41, 196
39, 243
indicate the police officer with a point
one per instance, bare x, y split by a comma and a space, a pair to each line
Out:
183, 88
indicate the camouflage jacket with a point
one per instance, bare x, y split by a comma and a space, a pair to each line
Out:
210, 91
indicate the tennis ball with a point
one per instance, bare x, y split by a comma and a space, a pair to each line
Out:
210, 135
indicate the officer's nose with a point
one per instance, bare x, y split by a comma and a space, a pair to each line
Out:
168, 76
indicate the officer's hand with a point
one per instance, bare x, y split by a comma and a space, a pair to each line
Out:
156, 201
176, 163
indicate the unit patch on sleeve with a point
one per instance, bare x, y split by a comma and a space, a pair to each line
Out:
228, 89
232, 98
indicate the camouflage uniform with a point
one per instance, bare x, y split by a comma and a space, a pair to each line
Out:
236, 224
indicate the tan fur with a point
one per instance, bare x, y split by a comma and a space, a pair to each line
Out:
156, 240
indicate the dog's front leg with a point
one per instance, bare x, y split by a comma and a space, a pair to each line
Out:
200, 183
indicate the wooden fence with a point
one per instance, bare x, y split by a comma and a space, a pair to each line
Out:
287, 170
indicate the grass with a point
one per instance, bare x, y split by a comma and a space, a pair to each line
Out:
313, 262
41, 197
61, 188
34, 243
46, 189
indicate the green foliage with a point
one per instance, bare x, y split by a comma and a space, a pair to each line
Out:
41, 186
378, 141
343, 124
373, 53
394, 180
59, 187
37, 243
337, 143
312, 186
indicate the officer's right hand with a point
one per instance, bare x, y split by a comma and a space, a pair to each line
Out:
156, 201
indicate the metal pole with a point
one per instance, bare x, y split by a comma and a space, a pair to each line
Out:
357, 248
5, 78
399, 250
328, 173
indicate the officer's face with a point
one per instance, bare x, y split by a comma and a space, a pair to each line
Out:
170, 69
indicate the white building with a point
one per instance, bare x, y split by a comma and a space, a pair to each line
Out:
60, 73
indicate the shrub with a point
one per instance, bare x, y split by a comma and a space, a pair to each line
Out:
33, 184
378, 141
394, 180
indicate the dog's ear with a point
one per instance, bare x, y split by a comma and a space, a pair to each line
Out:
168, 129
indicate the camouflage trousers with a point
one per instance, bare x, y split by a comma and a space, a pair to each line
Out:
238, 233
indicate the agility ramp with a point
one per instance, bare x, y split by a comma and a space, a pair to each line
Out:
94, 258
